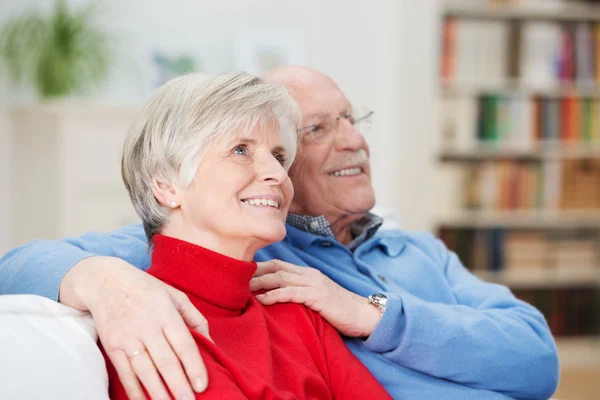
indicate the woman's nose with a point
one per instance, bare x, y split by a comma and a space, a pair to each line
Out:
271, 171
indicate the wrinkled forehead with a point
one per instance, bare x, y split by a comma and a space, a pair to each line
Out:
321, 98
270, 130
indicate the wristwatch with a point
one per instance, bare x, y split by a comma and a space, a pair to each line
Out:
379, 300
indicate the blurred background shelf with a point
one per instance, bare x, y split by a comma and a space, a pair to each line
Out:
545, 151
516, 88
524, 219
519, 94
579, 352
580, 368
507, 12
544, 279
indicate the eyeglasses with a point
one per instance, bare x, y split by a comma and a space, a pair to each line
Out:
327, 129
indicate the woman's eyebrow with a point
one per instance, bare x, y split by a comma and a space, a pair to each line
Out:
242, 140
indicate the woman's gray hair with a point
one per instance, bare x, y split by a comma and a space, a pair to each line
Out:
167, 139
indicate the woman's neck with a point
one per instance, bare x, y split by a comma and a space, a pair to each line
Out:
241, 249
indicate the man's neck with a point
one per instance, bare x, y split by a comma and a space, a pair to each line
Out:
342, 227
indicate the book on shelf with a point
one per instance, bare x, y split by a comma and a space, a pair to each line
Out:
498, 249
547, 185
521, 104
493, 253
520, 122
474, 51
569, 312
538, 55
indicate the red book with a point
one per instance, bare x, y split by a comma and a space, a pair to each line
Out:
448, 48
567, 56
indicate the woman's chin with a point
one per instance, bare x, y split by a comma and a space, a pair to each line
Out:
272, 235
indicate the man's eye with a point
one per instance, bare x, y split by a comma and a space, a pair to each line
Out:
241, 150
281, 158
315, 128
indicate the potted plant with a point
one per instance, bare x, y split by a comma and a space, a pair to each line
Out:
60, 54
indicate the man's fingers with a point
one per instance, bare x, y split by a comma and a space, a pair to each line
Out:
169, 367
127, 376
185, 347
271, 266
289, 294
277, 280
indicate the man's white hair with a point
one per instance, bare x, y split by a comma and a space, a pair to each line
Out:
168, 138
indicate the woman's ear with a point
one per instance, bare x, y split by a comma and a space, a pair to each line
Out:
166, 193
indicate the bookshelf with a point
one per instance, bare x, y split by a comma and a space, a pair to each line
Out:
485, 153
481, 10
513, 87
520, 133
551, 279
547, 220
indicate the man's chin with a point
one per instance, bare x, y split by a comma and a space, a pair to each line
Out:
358, 200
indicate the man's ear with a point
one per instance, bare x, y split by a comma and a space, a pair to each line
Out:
167, 193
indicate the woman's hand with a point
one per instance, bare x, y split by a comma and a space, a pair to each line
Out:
143, 326
349, 313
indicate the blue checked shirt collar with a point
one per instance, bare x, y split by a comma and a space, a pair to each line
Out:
362, 230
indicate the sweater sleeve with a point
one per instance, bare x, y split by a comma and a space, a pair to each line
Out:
348, 377
488, 340
39, 267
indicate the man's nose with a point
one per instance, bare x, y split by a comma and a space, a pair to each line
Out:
348, 138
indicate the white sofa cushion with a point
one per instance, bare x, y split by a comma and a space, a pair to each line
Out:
48, 351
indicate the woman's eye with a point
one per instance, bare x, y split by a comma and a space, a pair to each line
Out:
241, 150
315, 128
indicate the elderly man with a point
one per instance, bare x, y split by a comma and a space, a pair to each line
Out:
407, 308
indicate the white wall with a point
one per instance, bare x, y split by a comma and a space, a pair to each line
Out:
5, 183
382, 53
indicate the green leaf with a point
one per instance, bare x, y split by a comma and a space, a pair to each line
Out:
62, 53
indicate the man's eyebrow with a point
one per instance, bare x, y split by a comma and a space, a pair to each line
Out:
279, 149
322, 115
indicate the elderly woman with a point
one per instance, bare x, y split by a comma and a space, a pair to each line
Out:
206, 165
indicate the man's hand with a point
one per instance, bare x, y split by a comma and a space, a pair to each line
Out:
349, 313
143, 326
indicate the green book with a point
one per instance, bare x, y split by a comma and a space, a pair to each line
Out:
490, 118
586, 121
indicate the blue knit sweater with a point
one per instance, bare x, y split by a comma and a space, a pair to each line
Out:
444, 335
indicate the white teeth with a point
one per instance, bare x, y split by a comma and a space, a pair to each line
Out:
262, 202
347, 172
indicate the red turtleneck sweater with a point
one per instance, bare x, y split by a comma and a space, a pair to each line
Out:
283, 351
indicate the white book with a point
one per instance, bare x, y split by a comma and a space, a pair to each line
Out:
459, 122
552, 183
466, 52
540, 53
514, 122
489, 186
584, 54
526, 134
481, 52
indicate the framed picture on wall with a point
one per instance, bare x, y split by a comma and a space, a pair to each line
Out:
259, 49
